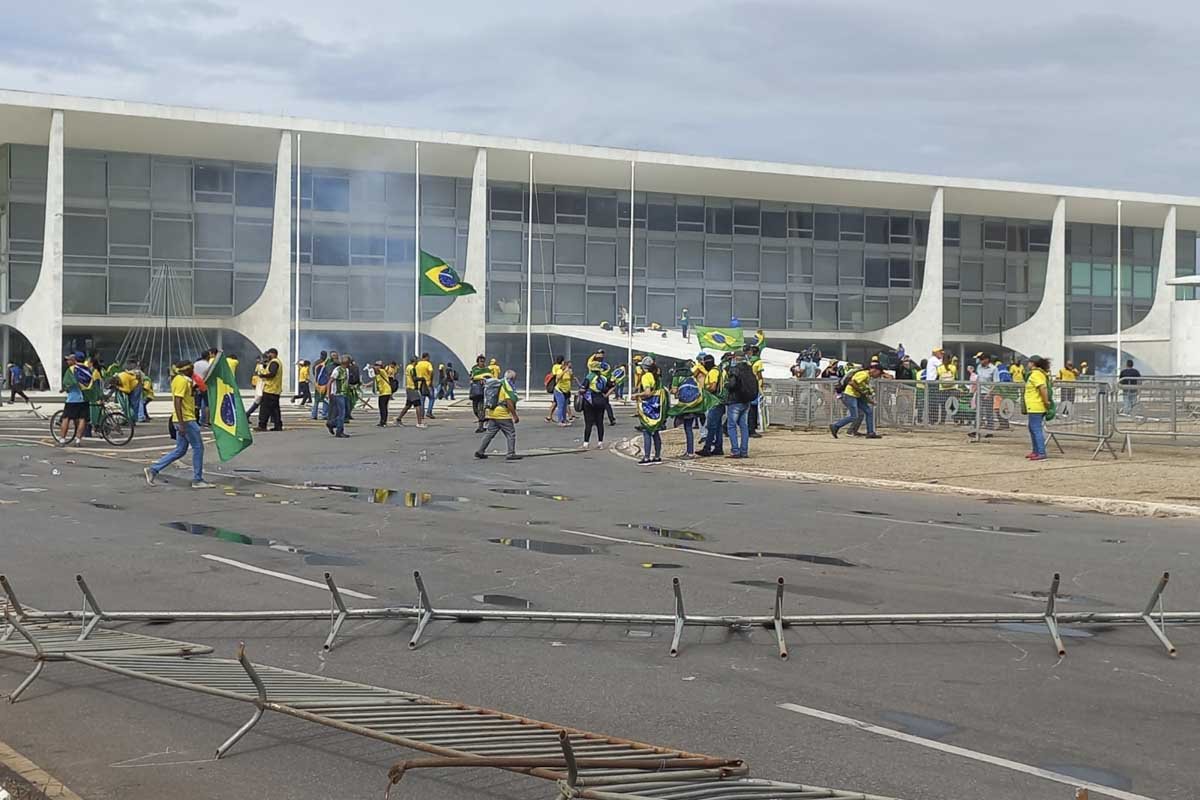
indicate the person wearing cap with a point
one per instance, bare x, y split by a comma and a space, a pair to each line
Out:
858, 398
75, 408
187, 429
647, 385
270, 374
383, 388
1083, 369
1068, 374
714, 423
905, 371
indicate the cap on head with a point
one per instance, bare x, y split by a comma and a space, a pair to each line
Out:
647, 362
876, 366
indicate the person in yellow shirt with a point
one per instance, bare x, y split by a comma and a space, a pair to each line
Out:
494, 368
128, 384
383, 388
714, 423
425, 383
555, 371
502, 418
1017, 370
859, 397
270, 375
187, 429
1068, 374
1037, 401
562, 393
303, 390
412, 393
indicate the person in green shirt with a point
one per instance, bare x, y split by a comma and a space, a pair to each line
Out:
479, 374
339, 398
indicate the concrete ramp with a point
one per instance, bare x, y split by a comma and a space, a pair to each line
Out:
777, 364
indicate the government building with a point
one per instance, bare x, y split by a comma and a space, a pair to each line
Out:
129, 228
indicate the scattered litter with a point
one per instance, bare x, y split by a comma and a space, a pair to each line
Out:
558, 644
690, 678
33, 489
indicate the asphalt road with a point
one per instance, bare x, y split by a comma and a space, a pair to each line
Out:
1115, 710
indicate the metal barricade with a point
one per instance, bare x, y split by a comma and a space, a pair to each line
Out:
1157, 407
804, 404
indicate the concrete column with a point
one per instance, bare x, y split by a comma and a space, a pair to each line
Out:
1045, 332
1157, 322
40, 317
267, 322
461, 326
921, 331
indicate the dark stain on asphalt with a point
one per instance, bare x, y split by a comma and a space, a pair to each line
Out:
503, 600
811, 591
994, 528
107, 506
1042, 594
829, 561
1041, 630
866, 513
660, 565
226, 535
917, 725
1093, 774
551, 548
666, 533
532, 493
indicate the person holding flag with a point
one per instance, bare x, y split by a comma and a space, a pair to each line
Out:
230, 422
75, 409
187, 429
690, 404
653, 403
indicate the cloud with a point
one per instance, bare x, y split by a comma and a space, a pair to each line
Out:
1091, 93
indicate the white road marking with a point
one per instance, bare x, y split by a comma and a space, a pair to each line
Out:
284, 576
974, 755
960, 528
691, 550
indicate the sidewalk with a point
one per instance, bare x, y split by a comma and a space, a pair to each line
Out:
1158, 473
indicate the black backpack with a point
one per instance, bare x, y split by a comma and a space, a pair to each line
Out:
743, 385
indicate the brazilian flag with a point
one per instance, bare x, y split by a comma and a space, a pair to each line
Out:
758, 339
653, 410
230, 426
439, 278
720, 338
618, 375
691, 398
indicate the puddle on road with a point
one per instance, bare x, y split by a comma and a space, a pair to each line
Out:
666, 533
532, 493
107, 506
394, 497
1041, 630
1093, 774
226, 535
503, 600
659, 565
919, 726
829, 561
552, 548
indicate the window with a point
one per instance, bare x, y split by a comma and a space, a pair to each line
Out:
995, 235
570, 208
718, 264
1081, 278
661, 216
774, 224
602, 212
1018, 238
773, 312
173, 239
826, 229
901, 230
543, 209
331, 248
213, 231
213, 178
1102, 281
660, 261
506, 203
800, 224
85, 236
971, 276
570, 248
255, 189
950, 232
602, 258
1039, 238
825, 269
746, 260
901, 272
331, 193
127, 226
719, 220
852, 226
690, 214
84, 176
745, 218
877, 272
877, 230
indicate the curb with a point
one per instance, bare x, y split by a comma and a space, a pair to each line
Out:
24, 779
629, 448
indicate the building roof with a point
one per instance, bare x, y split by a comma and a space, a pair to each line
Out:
94, 123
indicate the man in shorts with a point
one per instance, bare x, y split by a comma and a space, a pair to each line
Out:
75, 409
412, 393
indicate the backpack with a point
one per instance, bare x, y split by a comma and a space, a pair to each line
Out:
843, 382
743, 385
491, 393
551, 379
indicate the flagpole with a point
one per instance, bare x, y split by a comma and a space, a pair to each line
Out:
417, 255
529, 290
629, 308
299, 191
1120, 299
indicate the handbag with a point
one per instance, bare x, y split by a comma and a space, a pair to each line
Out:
579, 401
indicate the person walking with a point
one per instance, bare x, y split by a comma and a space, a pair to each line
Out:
562, 394
303, 390
270, 374
987, 374
479, 374
683, 324
552, 387
383, 390
187, 429
451, 380
741, 386
200, 369
412, 394
1037, 402
16, 382
502, 415
320, 378
339, 396
858, 397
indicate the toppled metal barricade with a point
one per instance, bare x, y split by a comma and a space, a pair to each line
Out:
583, 764
1153, 616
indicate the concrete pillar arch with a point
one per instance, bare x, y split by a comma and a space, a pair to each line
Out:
461, 327
1045, 332
267, 322
39, 318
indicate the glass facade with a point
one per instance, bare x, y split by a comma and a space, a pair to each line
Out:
1091, 284
126, 214
771, 265
357, 242
995, 272
1187, 244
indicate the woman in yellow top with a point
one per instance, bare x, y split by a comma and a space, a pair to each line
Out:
562, 393
303, 390
383, 390
1037, 400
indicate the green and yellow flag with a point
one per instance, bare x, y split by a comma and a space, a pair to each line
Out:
230, 426
720, 338
439, 278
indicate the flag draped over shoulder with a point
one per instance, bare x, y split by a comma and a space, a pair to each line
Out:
439, 279
618, 375
653, 410
691, 398
720, 338
230, 426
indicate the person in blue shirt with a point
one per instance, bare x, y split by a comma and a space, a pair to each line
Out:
16, 382
76, 406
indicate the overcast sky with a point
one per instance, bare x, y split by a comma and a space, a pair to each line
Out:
1082, 92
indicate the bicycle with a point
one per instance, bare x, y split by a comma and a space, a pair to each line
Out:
116, 428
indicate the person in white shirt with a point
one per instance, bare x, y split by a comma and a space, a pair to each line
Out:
931, 366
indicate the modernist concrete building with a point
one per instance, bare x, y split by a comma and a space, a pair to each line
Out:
99, 196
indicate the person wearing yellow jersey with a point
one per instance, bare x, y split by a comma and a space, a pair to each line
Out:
1068, 374
425, 383
187, 429
562, 393
647, 385
858, 397
270, 374
412, 394
303, 390
501, 417
756, 366
129, 392
714, 423
1017, 370
383, 388
552, 386
494, 368
1037, 401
